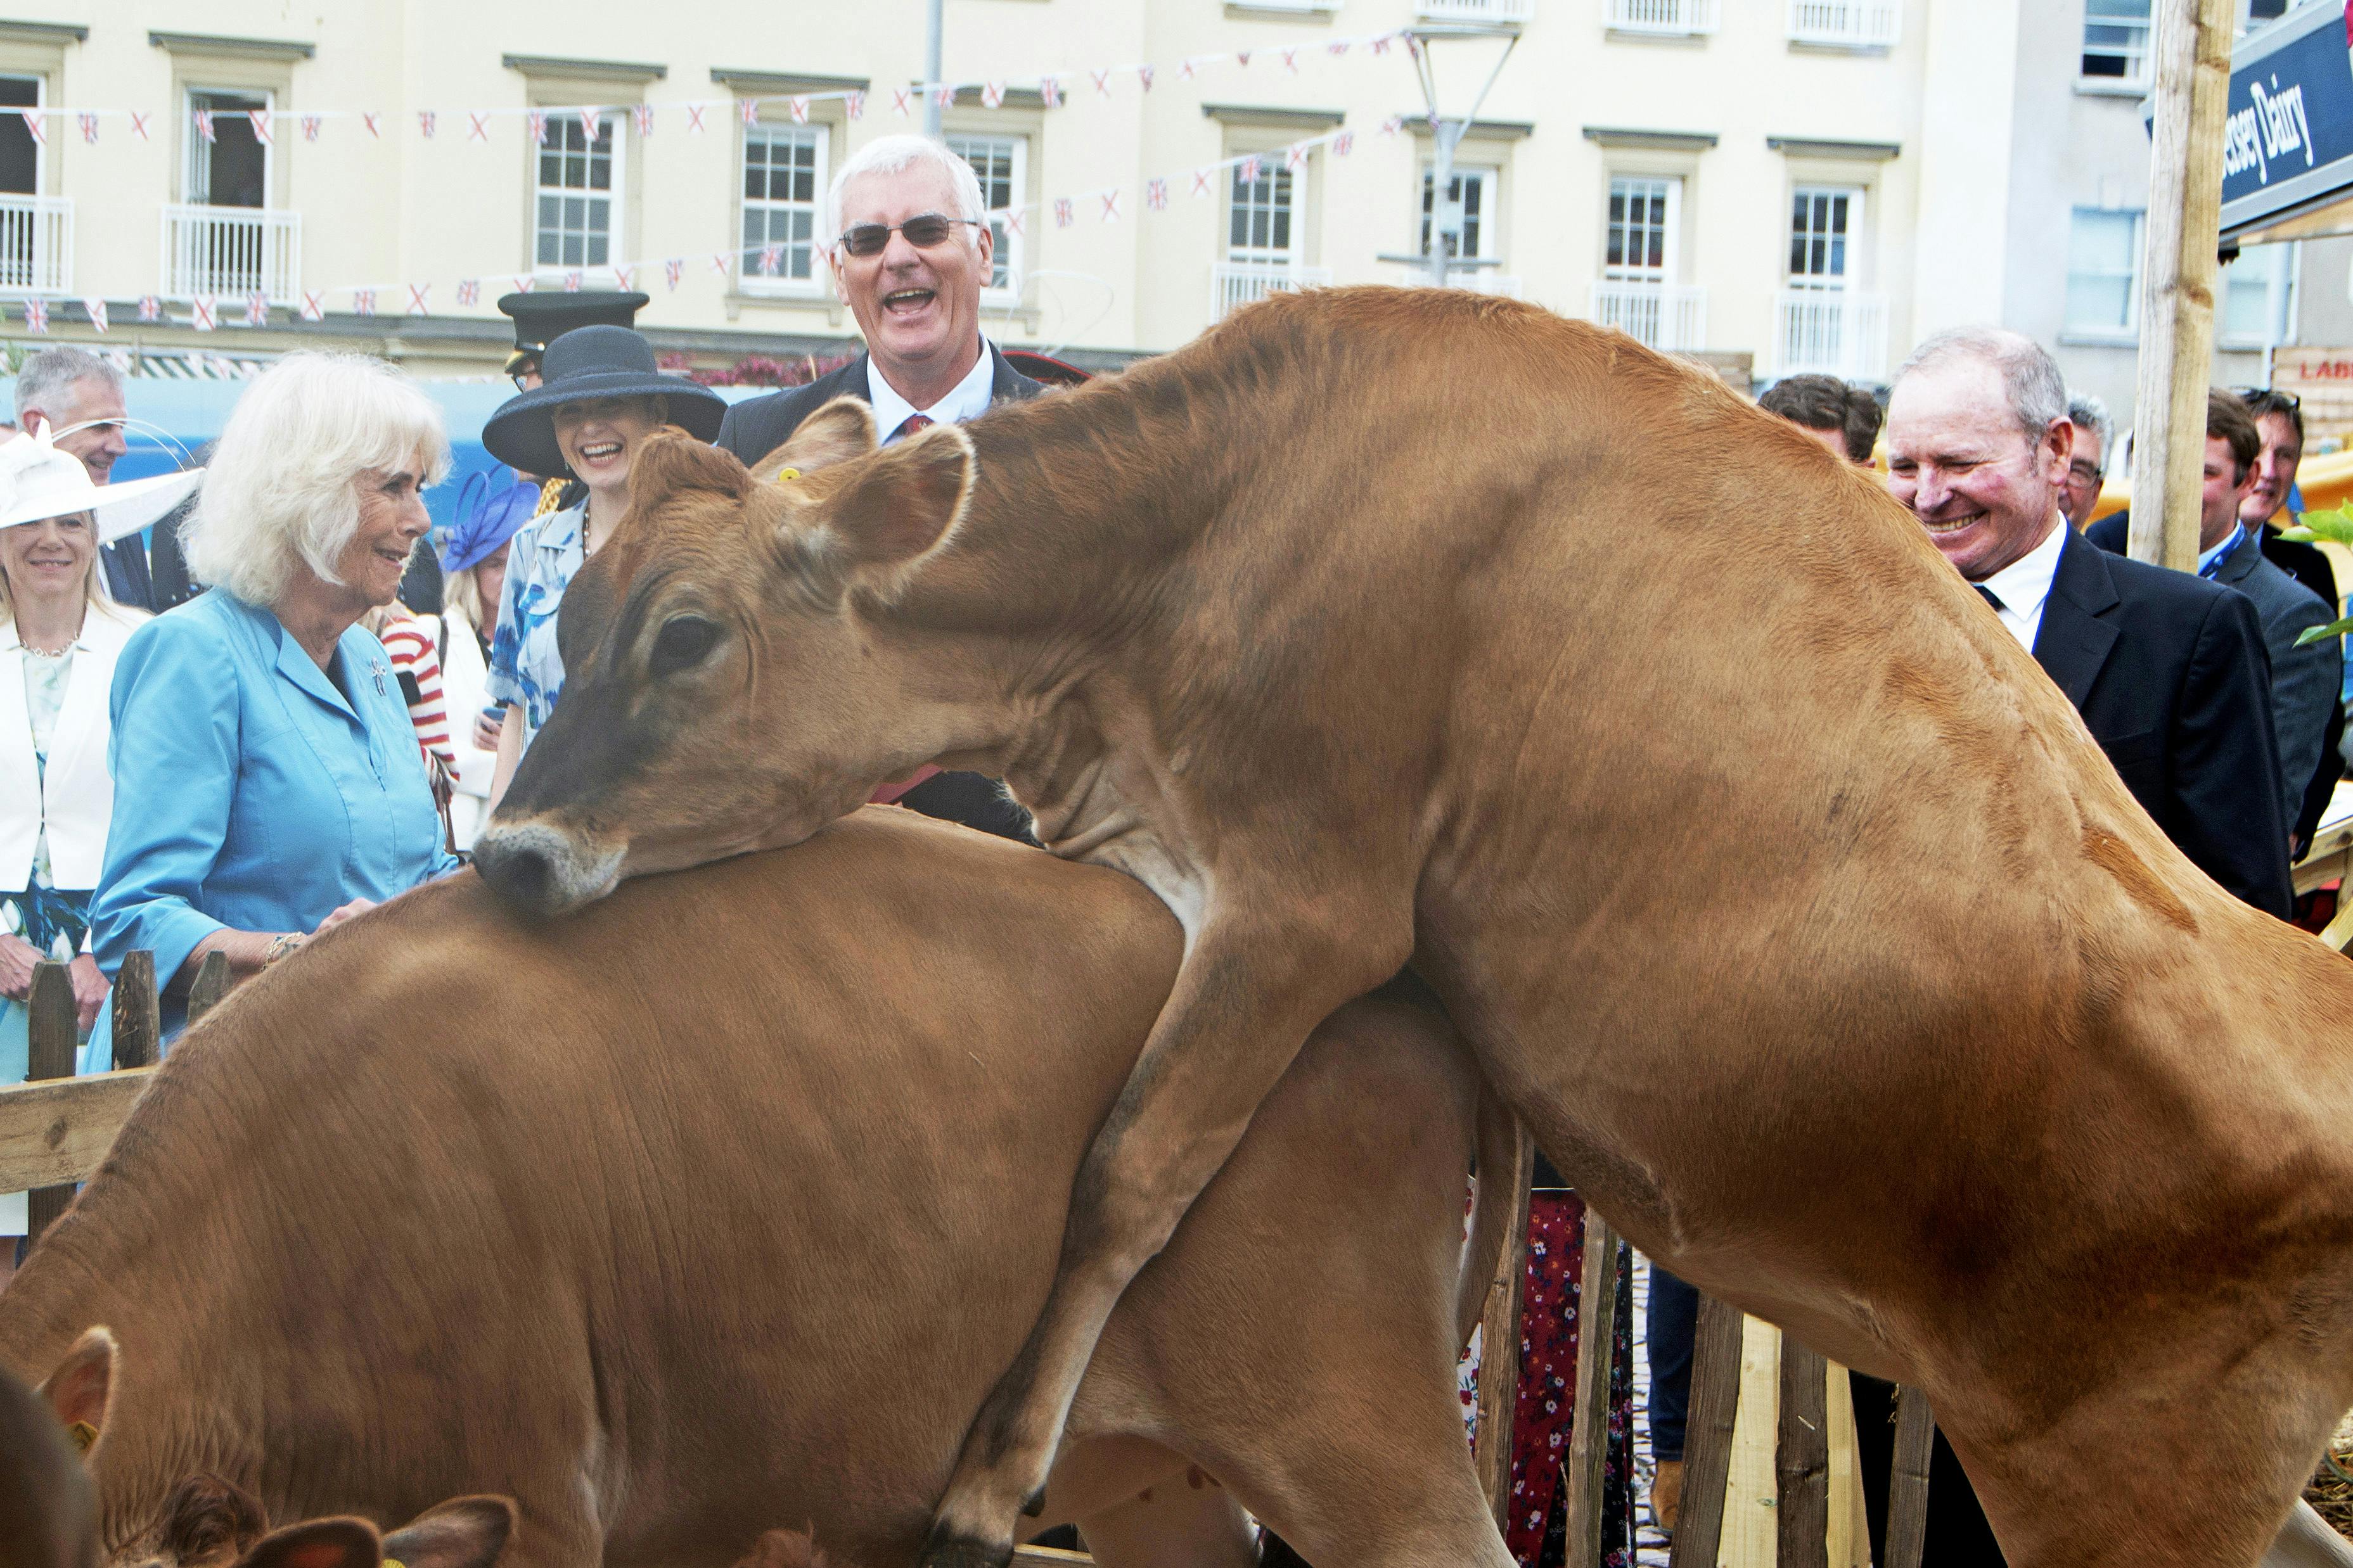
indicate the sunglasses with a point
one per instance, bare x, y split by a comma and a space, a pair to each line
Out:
2270, 395
923, 231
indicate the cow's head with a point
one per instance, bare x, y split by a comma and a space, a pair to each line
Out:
735, 678
48, 1518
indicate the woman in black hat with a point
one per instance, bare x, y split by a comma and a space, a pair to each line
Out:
600, 395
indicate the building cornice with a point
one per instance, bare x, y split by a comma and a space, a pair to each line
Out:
44, 32
628, 71
239, 48
1655, 141
782, 84
1477, 129
1269, 117
1816, 147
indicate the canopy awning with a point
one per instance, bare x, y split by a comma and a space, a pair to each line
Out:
2288, 159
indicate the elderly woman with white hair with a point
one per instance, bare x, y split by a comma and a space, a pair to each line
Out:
266, 780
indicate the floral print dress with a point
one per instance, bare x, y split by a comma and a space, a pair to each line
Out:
527, 670
47, 917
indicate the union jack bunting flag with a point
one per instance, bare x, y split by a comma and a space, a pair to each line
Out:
1381, 44
1049, 91
37, 316
256, 309
1343, 143
95, 309
771, 259
138, 124
200, 312
1393, 124
749, 108
1144, 78
645, 117
1241, 59
854, 102
1156, 194
151, 308
477, 124
89, 123
992, 94
672, 270
417, 305
693, 119
363, 302
1337, 48
470, 290
315, 305
1185, 68
537, 124
800, 109
36, 123
264, 126
1249, 171
426, 120
571, 282
310, 127
204, 124
1063, 213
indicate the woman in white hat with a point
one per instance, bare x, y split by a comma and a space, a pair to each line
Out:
60, 637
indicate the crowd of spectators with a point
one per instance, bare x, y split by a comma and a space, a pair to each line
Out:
329, 723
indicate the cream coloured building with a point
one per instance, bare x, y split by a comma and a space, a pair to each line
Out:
1776, 185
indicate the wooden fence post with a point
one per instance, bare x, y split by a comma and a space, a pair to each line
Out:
138, 1028
50, 1053
1707, 1433
211, 983
1588, 1442
1907, 1481
1801, 1464
1499, 1331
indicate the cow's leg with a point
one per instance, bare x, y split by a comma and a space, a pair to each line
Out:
1246, 997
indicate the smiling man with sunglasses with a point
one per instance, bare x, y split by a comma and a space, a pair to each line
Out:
911, 253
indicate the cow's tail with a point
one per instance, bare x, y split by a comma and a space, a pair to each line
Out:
1503, 1163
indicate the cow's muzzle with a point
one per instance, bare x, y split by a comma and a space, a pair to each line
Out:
543, 870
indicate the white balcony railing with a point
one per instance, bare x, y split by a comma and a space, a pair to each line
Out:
231, 252
1831, 332
35, 244
1233, 284
1664, 18
1846, 23
1476, 10
1669, 317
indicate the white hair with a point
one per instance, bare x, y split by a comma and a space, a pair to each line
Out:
44, 379
2086, 411
283, 490
2030, 377
890, 154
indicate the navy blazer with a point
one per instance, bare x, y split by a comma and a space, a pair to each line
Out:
757, 426
2169, 673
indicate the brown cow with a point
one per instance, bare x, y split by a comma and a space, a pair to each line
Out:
721, 1210
1788, 902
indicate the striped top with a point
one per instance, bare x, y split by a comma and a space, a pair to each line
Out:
417, 662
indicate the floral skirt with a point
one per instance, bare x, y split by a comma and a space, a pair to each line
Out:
55, 922
1545, 1411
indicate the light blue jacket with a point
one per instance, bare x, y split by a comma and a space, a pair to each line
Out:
247, 791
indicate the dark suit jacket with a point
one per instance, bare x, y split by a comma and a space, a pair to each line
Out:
2169, 673
757, 426
127, 577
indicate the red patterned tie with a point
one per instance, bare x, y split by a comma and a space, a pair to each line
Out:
916, 423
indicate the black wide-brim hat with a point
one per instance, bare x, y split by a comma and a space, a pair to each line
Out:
589, 363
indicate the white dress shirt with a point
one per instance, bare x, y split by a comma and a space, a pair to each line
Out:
2024, 586
967, 399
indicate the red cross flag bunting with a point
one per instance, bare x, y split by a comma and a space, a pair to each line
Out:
151, 308
524, 282
310, 127
417, 305
315, 305
1144, 78
591, 118
1110, 207
200, 312
373, 120
1393, 124
1337, 48
37, 316
425, 119
95, 309
1156, 194
33, 122
1062, 213
1013, 219
264, 127
1049, 91
1241, 59
944, 95
624, 278
672, 270
470, 290
1102, 81
854, 102
1290, 61
1381, 44
992, 94
1294, 157
1185, 68
693, 121
800, 109
645, 116
1202, 180
139, 125
256, 309
89, 123
363, 302
1249, 169
204, 123
719, 263
900, 98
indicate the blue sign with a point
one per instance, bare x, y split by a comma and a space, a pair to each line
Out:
2288, 142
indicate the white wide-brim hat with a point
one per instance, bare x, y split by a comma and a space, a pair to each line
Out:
37, 481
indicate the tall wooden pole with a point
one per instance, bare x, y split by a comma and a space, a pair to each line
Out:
2191, 49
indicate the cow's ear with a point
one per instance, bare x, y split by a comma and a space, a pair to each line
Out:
668, 461
82, 1386
318, 1544
903, 503
464, 1532
842, 429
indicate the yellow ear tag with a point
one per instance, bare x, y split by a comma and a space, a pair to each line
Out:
786, 476
83, 1435
393, 1562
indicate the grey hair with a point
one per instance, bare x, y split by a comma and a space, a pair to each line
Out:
2086, 412
46, 377
888, 155
283, 490
2037, 392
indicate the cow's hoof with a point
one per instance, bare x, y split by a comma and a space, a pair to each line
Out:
1034, 1504
952, 1549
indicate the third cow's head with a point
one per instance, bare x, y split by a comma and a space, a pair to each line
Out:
735, 678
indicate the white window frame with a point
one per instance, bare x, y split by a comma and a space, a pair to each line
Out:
616, 195
2105, 332
40, 80
199, 151
1488, 178
1278, 177
1010, 244
1850, 275
747, 256
1670, 271
2101, 14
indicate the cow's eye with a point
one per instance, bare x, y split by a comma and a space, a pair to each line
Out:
684, 642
